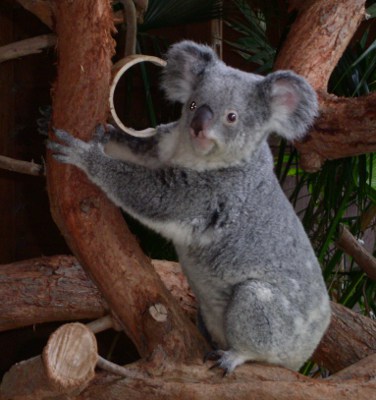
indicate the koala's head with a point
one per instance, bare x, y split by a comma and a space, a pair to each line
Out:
227, 113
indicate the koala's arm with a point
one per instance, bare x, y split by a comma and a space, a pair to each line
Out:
149, 152
154, 194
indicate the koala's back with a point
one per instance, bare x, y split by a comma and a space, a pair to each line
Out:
256, 238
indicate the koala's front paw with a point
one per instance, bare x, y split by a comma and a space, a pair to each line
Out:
69, 150
226, 360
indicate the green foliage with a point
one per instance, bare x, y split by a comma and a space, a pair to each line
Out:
253, 43
164, 13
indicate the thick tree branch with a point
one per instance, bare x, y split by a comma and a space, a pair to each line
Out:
91, 224
57, 289
349, 338
346, 127
317, 40
56, 281
250, 381
47, 289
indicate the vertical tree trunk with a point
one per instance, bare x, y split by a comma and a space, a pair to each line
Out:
92, 226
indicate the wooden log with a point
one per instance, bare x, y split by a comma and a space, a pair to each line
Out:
47, 289
56, 288
91, 224
349, 338
65, 367
59, 284
248, 382
363, 369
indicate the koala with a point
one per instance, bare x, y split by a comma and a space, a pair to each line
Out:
206, 183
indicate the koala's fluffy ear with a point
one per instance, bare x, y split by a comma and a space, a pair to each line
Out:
186, 62
292, 101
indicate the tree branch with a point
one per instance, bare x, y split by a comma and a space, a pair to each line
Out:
353, 248
26, 47
346, 127
51, 282
250, 381
43, 9
59, 280
317, 40
349, 338
24, 167
91, 224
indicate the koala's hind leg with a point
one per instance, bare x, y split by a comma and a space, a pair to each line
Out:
259, 327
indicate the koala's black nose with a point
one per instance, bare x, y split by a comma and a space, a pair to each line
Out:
201, 120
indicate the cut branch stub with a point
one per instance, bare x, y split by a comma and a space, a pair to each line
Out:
70, 356
65, 367
118, 70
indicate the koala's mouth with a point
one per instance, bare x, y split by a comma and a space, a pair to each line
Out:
202, 143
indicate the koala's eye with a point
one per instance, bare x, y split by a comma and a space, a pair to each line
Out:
231, 117
193, 106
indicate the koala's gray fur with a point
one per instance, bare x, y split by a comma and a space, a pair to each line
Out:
206, 182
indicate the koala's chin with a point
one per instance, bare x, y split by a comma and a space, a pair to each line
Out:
203, 144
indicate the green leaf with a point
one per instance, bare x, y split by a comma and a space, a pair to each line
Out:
371, 11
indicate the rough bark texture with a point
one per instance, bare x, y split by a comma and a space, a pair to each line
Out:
93, 227
57, 289
249, 382
346, 127
350, 337
318, 38
47, 289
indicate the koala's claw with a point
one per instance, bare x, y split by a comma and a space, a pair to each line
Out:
226, 360
69, 150
216, 355
213, 355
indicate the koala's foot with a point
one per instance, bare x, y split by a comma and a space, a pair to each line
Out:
227, 360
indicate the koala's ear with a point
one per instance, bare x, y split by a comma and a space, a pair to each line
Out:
292, 101
186, 62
